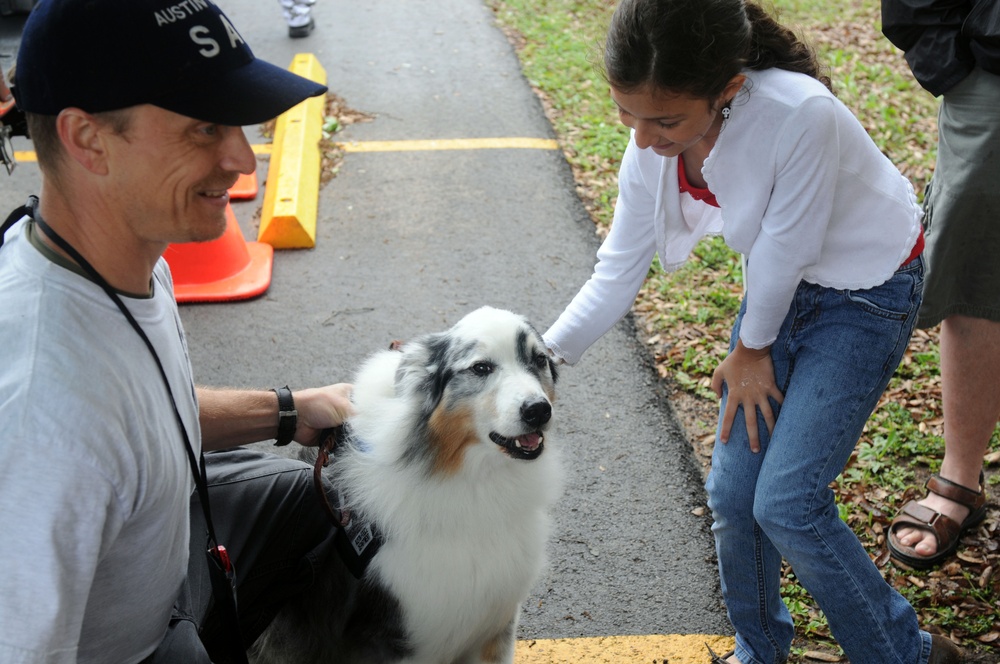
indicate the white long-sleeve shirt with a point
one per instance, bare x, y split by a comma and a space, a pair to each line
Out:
803, 192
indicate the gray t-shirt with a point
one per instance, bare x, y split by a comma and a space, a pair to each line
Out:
94, 479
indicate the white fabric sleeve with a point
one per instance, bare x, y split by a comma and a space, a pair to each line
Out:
623, 262
796, 220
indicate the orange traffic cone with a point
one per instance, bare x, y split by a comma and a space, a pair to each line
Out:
245, 188
228, 268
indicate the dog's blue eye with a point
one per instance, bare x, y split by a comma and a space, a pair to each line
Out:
482, 368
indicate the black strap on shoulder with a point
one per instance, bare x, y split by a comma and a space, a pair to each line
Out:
26, 210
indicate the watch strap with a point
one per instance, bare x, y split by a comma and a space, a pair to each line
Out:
288, 417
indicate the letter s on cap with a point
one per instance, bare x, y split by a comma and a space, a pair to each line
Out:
197, 37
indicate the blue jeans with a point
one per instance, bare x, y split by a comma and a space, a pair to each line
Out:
833, 358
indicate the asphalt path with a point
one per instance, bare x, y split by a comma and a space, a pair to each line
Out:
409, 241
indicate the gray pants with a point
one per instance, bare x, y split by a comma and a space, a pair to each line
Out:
267, 515
962, 204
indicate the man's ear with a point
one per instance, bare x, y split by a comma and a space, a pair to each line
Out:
83, 139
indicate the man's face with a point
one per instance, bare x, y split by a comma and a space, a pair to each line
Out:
171, 174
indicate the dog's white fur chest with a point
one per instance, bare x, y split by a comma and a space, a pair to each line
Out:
448, 456
458, 593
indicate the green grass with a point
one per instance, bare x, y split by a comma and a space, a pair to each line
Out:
690, 311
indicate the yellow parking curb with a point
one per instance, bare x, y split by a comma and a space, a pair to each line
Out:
291, 194
655, 649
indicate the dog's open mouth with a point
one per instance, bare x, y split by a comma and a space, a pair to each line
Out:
527, 446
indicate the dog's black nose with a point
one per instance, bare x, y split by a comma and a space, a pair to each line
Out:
536, 413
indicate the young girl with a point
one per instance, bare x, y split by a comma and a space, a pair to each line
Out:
735, 132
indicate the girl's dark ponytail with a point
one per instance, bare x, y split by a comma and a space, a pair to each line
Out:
697, 46
772, 45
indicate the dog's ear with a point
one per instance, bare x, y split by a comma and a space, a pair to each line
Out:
424, 370
553, 370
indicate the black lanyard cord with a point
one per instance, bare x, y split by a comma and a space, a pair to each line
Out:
201, 479
31, 209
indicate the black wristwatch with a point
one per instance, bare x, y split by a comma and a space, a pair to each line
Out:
288, 417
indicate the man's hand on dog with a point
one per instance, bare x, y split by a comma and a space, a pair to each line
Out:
321, 408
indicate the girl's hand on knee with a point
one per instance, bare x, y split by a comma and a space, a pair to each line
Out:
749, 376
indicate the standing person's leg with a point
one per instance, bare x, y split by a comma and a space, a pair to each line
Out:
962, 292
970, 364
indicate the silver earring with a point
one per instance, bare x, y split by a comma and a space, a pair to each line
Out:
726, 110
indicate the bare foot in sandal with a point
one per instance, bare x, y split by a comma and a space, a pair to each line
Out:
926, 532
922, 540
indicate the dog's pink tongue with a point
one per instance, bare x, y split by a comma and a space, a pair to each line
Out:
529, 441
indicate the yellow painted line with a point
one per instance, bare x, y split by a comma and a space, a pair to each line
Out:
450, 144
291, 195
656, 649
30, 156
405, 146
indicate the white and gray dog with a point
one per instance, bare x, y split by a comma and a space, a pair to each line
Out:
448, 466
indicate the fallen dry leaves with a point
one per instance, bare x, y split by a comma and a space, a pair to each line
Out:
331, 154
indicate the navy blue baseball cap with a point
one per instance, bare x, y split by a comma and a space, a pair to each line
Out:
181, 55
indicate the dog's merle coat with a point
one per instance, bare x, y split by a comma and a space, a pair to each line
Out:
449, 456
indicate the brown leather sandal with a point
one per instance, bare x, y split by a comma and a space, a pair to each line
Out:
946, 531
